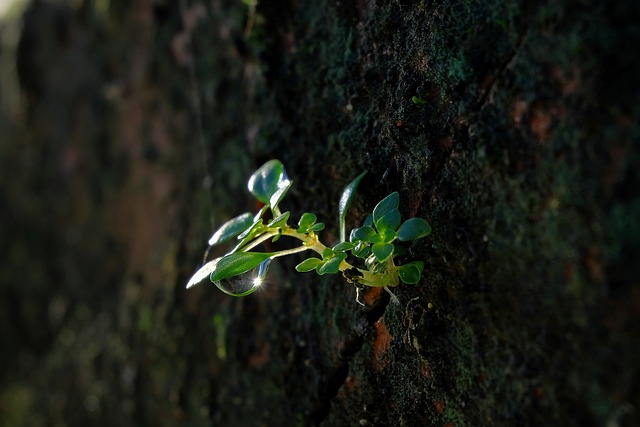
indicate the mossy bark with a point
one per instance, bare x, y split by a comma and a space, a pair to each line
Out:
511, 126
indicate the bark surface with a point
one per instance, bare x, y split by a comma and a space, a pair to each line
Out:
511, 126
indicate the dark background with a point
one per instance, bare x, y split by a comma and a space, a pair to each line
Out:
128, 131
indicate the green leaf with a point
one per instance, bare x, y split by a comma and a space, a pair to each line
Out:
327, 253
418, 100
248, 235
231, 228
306, 221
410, 273
255, 228
364, 233
345, 200
413, 228
277, 197
280, 220
267, 180
332, 266
390, 221
379, 268
343, 246
258, 216
237, 263
318, 226
308, 264
362, 250
368, 220
371, 259
382, 250
385, 206
202, 273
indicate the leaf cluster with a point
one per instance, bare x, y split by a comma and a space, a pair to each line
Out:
375, 243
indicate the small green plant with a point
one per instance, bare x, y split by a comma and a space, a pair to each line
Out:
241, 271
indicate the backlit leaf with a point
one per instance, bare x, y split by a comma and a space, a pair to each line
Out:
382, 250
202, 273
345, 201
237, 263
231, 228
267, 180
308, 264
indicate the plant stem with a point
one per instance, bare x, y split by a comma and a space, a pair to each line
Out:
310, 241
290, 251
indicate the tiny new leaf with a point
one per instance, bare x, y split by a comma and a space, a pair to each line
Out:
306, 220
318, 226
280, 220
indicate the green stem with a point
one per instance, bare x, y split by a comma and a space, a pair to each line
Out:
289, 251
310, 241
262, 238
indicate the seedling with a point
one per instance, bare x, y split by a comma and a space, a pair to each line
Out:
374, 245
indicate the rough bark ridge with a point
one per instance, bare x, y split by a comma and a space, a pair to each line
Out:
511, 126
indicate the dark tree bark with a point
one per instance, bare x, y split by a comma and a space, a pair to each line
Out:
511, 126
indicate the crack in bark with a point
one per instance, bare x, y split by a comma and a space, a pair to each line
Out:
351, 346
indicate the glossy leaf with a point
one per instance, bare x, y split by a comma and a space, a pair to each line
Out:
382, 250
343, 246
306, 221
277, 197
255, 228
332, 266
308, 264
390, 221
364, 233
368, 220
247, 236
258, 216
327, 253
362, 250
318, 226
202, 273
237, 263
413, 228
410, 273
371, 259
231, 228
385, 206
345, 201
280, 220
267, 180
